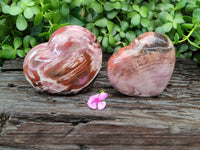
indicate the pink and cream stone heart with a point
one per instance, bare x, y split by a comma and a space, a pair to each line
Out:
143, 68
66, 64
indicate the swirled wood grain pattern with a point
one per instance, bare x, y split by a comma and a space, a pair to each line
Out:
68, 63
144, 67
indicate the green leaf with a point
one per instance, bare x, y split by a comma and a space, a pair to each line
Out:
122, 34
14, 10
35, 10
100, 39
89, 18
179, 30
130, 36
110, 49
135, 20
174, 24
36, 30
38, 19
6, 9
89, 26
54, 27
117, 38
183, 48
4, 30
190, 7
101, 22
115, 29
125, 6
46, 7
33, 42
179, 18
68, 1
64, 10
26, 41
159, 30
112, 14
55, 4
105, 42
49, 15
26, 50
176, 38
7, 46
164, 16
187, 18
196, 16
104, 31
146, 22
193, 48
144, 11
95, 31
136, 7
75, 21
43, 34
28, 13
124, 25
21, 23
57, 17
17, 42
117, 5
116, 48
96, 7
76, 3
197, 36
188, 55
167, 6
108, 6
111, 40
180, 4
28, 2
158, 22
196, 58
187, 26
8, 52
110, 26
21, 53
167, 27
169, 17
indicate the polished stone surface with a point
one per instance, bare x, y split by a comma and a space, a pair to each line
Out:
143, 68
66, 64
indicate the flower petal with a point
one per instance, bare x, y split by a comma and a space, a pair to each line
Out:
92, 105
102, 96
92, 98
101, 105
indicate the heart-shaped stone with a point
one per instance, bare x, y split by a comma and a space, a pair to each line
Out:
143, 68
68, 63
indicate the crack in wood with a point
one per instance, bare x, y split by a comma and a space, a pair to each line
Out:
83, 147
62, 118
4, 116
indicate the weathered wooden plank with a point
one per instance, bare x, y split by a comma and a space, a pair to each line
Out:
15, 64
32, 120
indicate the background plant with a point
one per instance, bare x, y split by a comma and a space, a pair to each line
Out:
24, 23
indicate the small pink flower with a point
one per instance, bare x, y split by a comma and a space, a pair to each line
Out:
97, 101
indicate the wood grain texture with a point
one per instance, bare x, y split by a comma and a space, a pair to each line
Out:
32, 120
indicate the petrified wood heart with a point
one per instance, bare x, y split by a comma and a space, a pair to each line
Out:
68, 63
143, 68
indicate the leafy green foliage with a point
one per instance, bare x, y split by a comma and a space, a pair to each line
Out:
24, 23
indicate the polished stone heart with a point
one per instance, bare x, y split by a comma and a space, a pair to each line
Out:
143, 68
68, 63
